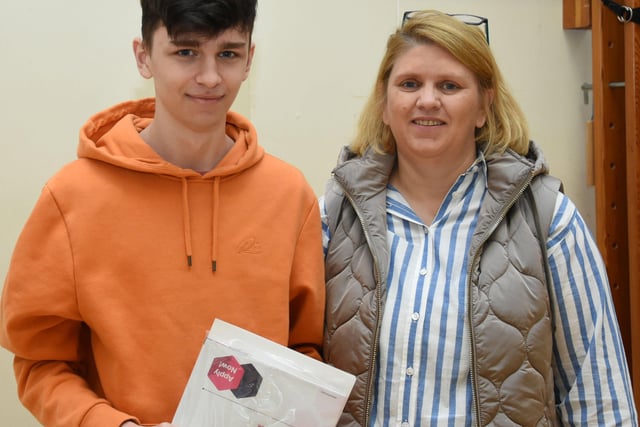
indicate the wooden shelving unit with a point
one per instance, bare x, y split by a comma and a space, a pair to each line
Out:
616, 97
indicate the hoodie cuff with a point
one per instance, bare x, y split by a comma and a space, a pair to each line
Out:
104, 415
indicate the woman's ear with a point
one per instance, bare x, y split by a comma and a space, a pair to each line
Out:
489, 95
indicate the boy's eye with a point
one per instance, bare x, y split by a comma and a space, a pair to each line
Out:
185, 52
227, 54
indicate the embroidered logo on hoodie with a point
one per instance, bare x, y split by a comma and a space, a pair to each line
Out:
249, 245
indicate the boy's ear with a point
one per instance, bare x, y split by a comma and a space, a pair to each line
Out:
141, 53
252, 50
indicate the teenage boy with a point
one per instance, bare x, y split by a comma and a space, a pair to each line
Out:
172, 216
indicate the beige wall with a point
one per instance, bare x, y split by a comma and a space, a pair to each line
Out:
315, 62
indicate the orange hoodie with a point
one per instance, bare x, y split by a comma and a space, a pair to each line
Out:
126, 260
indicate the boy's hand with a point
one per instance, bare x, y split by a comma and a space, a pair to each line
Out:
132, 424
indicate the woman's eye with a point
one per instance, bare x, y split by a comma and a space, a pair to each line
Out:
410, 84
449, 86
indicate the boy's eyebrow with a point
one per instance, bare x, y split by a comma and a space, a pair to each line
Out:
185, 42
197, 43
234, 45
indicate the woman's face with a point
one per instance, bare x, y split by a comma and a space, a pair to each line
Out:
433, 106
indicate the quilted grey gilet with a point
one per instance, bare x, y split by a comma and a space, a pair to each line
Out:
509, 313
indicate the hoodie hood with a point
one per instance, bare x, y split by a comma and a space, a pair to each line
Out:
113, 136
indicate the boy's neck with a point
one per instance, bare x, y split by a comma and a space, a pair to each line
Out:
188, 149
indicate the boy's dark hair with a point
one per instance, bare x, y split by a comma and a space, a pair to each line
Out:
206, 17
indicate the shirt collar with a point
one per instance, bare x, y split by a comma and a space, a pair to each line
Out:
476, 174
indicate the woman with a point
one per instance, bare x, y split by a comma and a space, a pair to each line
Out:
462, 287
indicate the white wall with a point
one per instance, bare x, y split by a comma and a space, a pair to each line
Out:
316, 61
315, 64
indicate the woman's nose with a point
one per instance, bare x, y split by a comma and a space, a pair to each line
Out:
428, 97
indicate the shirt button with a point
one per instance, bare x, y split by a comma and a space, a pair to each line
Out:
423, 271
415, 316
410, 371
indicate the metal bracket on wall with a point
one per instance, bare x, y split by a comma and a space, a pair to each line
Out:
587, 87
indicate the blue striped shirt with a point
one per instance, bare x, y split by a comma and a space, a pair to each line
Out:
424, 354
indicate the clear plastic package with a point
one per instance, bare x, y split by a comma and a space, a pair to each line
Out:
243, 380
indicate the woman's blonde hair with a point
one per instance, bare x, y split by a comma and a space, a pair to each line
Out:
505, 127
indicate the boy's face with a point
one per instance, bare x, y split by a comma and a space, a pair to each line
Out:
196, 78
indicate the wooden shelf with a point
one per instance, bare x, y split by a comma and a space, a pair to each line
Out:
576, 14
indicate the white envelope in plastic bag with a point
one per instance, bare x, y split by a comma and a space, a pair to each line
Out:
242, 379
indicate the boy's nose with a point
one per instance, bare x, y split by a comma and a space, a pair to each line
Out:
208, 74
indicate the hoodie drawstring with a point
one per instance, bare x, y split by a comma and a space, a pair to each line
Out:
214, 223
186, 221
